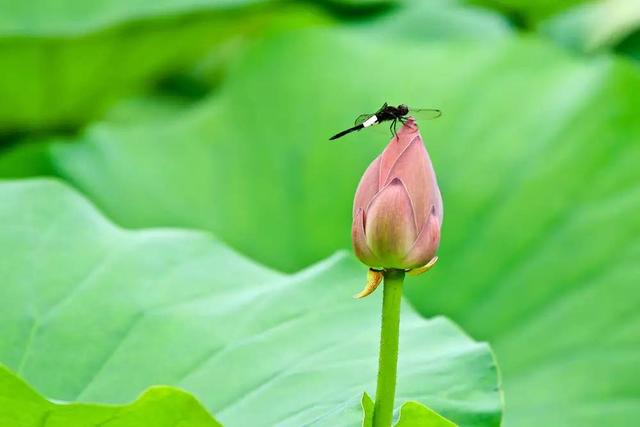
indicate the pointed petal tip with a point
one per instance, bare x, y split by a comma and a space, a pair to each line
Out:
411, 122
374, 278
420, 270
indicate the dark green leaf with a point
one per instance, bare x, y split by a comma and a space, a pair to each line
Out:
528, 13
26, 158
64, 63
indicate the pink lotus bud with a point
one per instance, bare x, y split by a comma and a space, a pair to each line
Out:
397, 211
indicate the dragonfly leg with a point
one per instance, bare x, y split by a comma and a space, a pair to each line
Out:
394, 125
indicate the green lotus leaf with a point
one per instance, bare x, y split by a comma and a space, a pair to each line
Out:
437, 19
95, 313
65, 63
536, 154
596, 26
528, 13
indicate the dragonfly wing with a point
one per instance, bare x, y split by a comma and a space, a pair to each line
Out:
361, 119
425, 113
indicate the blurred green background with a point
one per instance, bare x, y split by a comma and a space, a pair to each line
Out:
215, 115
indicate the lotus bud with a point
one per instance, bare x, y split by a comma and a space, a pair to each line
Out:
397, 211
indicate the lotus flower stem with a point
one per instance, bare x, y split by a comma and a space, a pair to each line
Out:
388, 361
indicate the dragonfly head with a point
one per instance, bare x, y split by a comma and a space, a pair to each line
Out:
403, 109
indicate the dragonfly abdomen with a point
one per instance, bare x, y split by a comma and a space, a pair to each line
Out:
370, 121
344, 132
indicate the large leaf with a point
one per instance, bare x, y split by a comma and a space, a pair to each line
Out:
33, 18
94, 313
21, 406
596, 26
537, 155
436, 19
65, 62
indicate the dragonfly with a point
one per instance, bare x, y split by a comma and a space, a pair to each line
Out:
389, 113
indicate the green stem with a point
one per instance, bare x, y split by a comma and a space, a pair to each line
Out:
388, 362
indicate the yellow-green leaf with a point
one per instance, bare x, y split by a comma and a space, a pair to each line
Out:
159, 406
